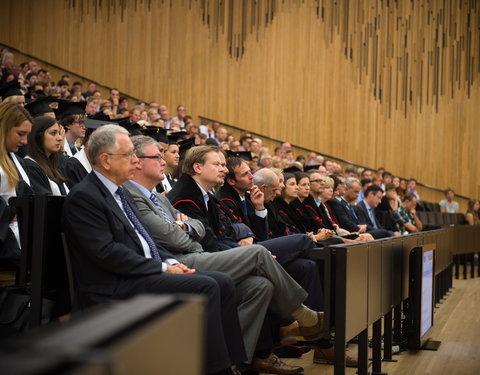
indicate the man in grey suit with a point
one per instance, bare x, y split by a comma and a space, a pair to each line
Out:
258, 277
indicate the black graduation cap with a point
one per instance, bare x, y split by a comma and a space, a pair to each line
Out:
175, 137
292, 169
101, 117
159, 134
67, 108
124, 122
245, 155
10, 89
185, 145
41, 105
93, 125
308, 167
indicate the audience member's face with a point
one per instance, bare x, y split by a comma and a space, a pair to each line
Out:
255, 147
181, 111
212, 172
41, 77
403, 184
281, 185
135, 117
396, 181
152, 169
322, 170
303, 188
121, 162
77, 128
21, 100
374, 200
412, 185
391, 194
291, 189
114, 94
266, 161
91, 107
316, 183
449, 195
235, 146
270, 192
222, 134
243, 178
52, 139
280, 153
367, 174
246, 144
327, 193
91, 87
387, 179
172, 156
32, 80
329, 166
410, 205
17, 136
341, 189
351, 194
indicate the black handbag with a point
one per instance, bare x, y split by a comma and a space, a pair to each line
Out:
15, 312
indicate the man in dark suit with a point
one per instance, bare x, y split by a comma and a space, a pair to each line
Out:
114, 257
365, 211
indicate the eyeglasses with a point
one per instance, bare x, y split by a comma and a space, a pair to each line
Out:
318, 181
128, 155
157, 157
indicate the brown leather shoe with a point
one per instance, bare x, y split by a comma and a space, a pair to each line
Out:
274, 365
327, 357
288, 334
314, 332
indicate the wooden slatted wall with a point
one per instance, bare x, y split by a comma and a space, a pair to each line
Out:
391, 83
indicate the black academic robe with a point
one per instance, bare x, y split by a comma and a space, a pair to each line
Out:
187, 197
231, 201
73, 171
39, 179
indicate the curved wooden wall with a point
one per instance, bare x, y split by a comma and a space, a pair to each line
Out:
391, 83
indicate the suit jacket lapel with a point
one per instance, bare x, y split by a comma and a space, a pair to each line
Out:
117, 211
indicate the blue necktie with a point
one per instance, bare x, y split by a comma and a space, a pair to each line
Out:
372, 218
157, 204
245, 208
138, 225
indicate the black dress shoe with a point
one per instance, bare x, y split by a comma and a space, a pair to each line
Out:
274, 365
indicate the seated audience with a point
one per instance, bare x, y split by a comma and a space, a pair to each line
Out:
44, 157
448, 205
471, 216
406, 216
365, 211
172, 158
389, 204
411, 188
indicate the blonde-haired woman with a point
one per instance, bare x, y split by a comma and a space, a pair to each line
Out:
15, 125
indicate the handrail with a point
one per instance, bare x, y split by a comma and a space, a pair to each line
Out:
323, 154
